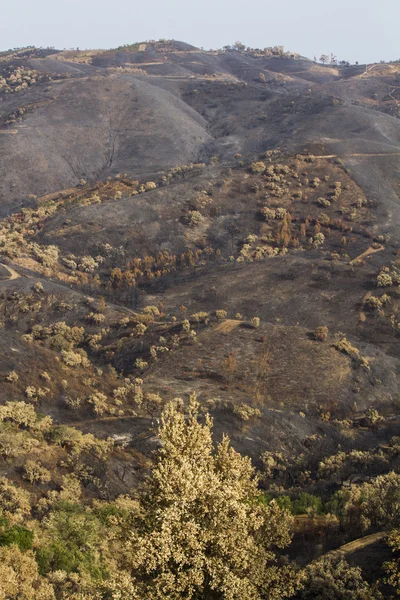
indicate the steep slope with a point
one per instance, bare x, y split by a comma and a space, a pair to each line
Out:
92, 128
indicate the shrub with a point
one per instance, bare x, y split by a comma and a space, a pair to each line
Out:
95, 318
74, 359
317, 240
88, 264
221, 314
258, 167
373, 417
195, 218
69, 263
321, 333
280, 213
20, 577
15, 536
14, 501
315, 182
35, 472
38, 287
373, 303
151, 310
201, 317
150, 185
384, 280
140, 329
141, 364
99, 402
47, 255
246, 412
335, 579
12, 377
35, 393
268, 213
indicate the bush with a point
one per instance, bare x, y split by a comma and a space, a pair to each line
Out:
95, 318
12, 377
151, 310
140, 329
88, 264
324, 202
150, 185
246, 412
47, 255
384, 280
141, 364
201, 317
16, 536
258, 167
334, 579
321, 333
35, 472
195, 218
99, 402
73, 359
221, 314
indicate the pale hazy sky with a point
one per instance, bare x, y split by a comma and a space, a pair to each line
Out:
362, 30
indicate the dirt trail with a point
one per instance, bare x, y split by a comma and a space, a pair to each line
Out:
391, 94
357, 155
358, 544
228, 325
96, 421
367, 252
13, 274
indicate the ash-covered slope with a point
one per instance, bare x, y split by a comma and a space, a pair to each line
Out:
143, 108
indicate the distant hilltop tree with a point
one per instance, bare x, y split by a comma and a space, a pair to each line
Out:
269, 51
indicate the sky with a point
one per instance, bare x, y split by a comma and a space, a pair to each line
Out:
355, 30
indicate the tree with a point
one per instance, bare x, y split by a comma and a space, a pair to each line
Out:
373, 504
200, 531
238, 46
70, 541
393, 567
324, 58
19, 577
334, 579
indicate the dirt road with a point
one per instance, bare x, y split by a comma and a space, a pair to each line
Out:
13, 274
356, 545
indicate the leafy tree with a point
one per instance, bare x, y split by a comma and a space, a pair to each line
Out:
307, 503
199, 531
19, 577
373, 504
72, 536
20, 536
334, 579
14, 502
393, 567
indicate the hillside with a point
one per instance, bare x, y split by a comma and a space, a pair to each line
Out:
175, 221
